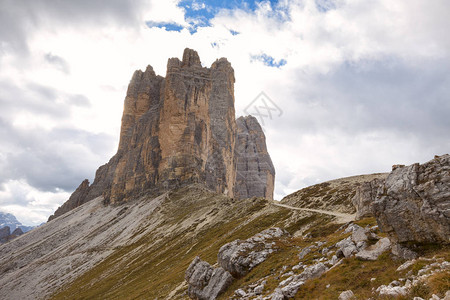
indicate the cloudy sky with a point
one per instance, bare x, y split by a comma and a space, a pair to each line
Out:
356, 85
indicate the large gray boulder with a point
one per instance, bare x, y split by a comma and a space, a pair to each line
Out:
414, 203
239, 257
206, 282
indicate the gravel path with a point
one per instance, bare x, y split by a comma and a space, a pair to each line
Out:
341, 217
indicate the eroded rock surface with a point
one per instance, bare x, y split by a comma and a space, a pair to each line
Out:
255, 173
365, 196
239, 257
206, 282
179, 130
414, 203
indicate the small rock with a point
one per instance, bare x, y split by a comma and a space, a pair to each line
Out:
403, 252
394, 283
240, 293
347, 295
287, 274
359, 235
406, 265
259, 289
277, 295
395, 291
372, 252
346, 246
435, 297
447, 295
304, 252
334, 260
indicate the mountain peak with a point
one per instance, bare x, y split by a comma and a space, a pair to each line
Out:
181, 130
191, 58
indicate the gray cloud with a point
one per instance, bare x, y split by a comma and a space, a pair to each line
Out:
386, 95
58, 62
51, 160
47, 159
19, 18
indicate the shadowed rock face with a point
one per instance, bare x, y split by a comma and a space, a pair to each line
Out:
180, 130
413, 205
255, 173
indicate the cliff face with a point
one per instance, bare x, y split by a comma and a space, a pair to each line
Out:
254, 169
180, 130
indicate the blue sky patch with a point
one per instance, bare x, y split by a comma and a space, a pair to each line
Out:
268, 60
199, 13
167, 26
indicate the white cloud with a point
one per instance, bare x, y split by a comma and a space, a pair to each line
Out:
30, 206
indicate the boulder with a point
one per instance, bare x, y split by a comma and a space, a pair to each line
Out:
206, 282
239, 257
293, 283
359, 235
372, 252
346, 295
414, 203
346, 247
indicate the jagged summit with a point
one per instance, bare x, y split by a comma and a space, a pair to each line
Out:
181, 129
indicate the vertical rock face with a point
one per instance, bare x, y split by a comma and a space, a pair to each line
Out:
206, 282
255, 173
76, 199
414, 203
364, 198
179, 130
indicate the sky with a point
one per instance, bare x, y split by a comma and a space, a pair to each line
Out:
341, 87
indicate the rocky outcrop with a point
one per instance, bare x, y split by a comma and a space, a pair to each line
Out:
365, 195
76, 199
181, 130
255, 173
4, 234
239, 257
372, 252
414, 203
206, 282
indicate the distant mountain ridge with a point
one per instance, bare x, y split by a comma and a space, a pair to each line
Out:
7, 219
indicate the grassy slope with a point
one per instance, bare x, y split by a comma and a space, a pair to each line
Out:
331, 195
141, 272
196, 222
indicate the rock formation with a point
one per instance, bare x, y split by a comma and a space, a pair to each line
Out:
236, 259
4, 234
413, 205
365, 196
254, 169
239, 257
180, 130
206, 282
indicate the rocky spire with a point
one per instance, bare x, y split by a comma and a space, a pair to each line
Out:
180, 130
